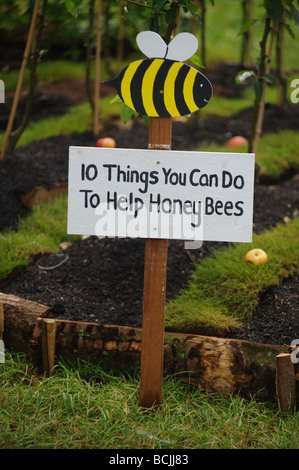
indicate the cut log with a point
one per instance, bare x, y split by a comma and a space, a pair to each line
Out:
19, 320
218, 365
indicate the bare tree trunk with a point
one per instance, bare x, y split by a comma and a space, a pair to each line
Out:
98, 69
120, 38
203, 31
106, 45
89, 46
20, 80
33, 64
263, 69
282, 81
247, 8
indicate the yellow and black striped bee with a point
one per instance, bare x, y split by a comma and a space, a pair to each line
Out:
162, 85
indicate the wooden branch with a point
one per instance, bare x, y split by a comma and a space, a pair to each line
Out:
120, 38
139, 4
89, 41
98, 71
33, 64
261, 105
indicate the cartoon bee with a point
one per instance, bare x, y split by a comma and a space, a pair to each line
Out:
162, 85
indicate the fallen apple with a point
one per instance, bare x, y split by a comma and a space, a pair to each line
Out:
106, 142
256, 256
237, 141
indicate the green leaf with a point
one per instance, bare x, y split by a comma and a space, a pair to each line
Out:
170, 16
294, 13
246, 26
258, 90
154, 24
158, 5
275, 9
115, 99
269, 78
127, 113
71, 6
289, 30
146, 120
192, 7
243, 75
196, 60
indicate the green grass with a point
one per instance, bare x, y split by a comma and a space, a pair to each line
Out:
66, 412
50, 71
224, 289
42, 231
77, 119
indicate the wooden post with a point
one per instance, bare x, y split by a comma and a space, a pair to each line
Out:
2, 351
155, 270
48, 344
285, 382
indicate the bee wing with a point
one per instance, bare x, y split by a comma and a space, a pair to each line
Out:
151, 44
182, 47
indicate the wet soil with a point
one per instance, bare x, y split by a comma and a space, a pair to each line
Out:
102, 280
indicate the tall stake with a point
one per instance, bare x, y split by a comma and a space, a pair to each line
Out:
155, 270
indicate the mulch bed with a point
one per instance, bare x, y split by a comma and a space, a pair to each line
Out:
102, 280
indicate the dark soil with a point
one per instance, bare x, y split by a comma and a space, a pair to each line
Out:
102, 280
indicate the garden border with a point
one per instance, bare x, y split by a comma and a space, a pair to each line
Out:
216, 365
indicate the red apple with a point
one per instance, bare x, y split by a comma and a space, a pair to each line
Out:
106, 142
256, 256
237, 141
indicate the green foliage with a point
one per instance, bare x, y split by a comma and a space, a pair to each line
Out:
16, 14
162, 14
71, 6
275, 10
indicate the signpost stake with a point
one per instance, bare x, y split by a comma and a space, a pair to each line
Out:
155, 271
48, 344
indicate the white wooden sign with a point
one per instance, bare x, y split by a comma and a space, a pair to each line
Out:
160, 194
